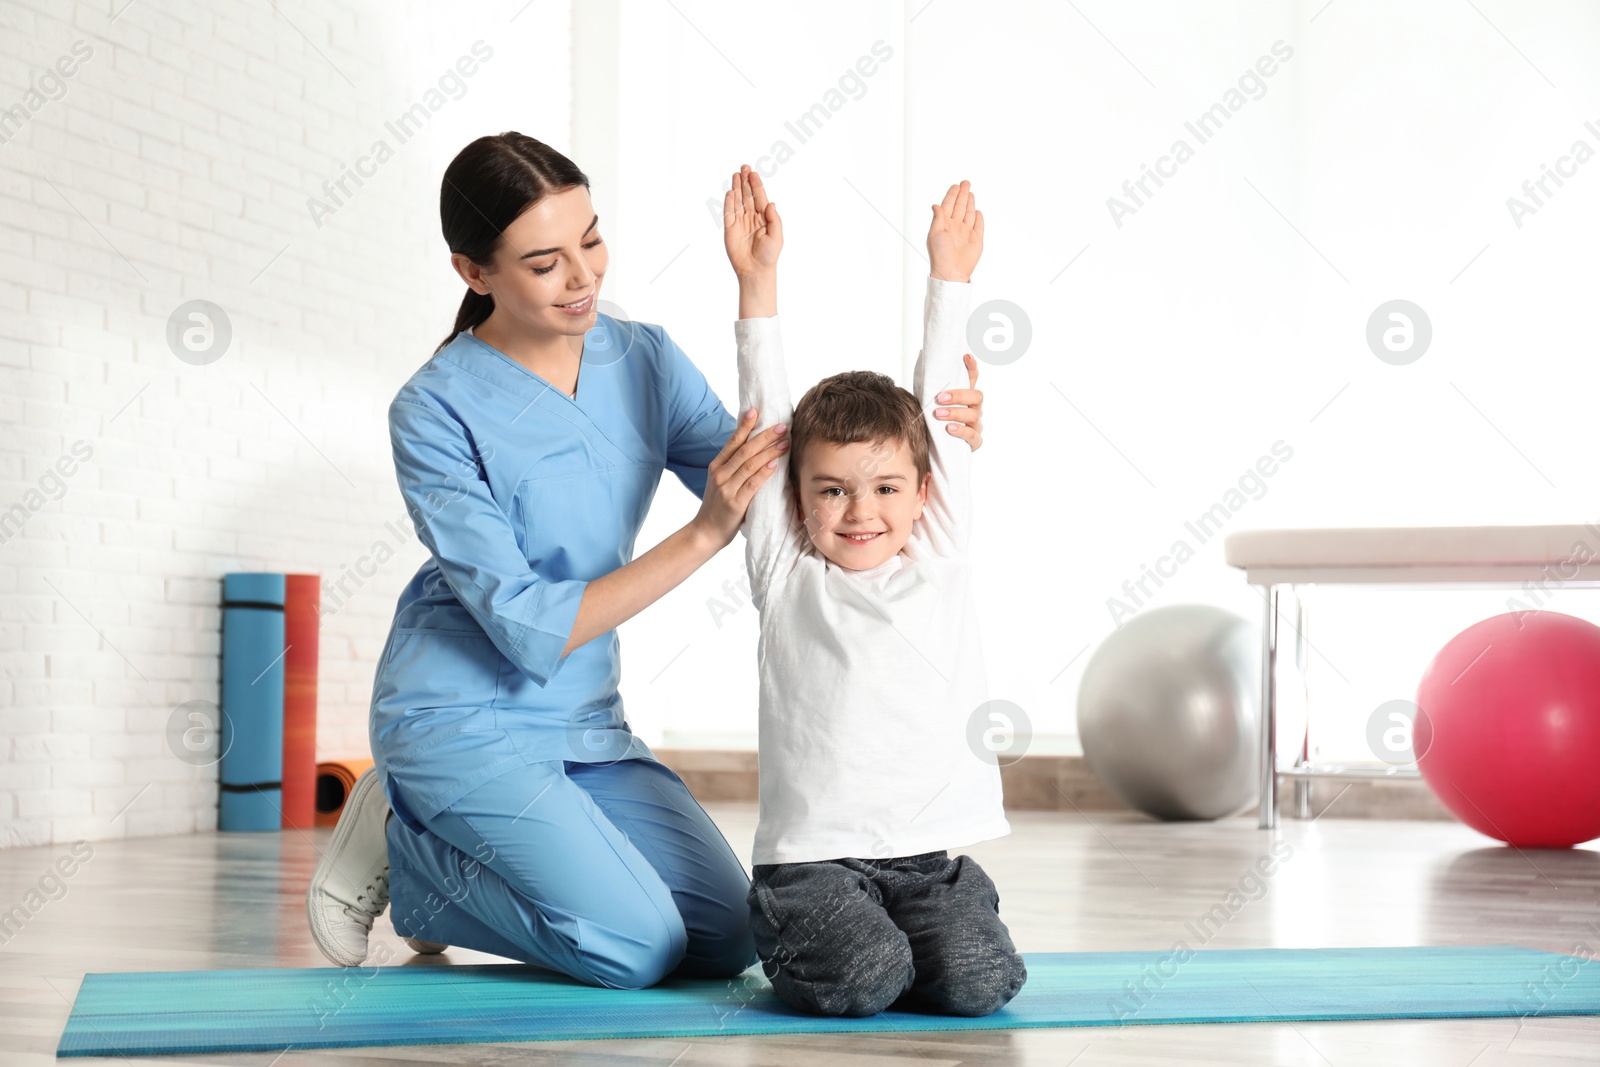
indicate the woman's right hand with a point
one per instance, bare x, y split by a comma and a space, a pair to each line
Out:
733, 477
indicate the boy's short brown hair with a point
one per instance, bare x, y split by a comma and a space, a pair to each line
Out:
858, 405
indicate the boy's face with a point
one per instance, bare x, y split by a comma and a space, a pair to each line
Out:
859, 500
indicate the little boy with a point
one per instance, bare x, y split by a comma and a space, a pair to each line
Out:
869, 660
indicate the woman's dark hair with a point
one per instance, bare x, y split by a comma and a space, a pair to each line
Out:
488, 184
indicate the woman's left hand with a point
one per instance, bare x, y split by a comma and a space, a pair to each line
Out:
962, 409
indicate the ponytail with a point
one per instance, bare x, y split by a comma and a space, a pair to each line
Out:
475, 310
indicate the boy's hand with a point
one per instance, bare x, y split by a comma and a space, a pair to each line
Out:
955, 237
752, 232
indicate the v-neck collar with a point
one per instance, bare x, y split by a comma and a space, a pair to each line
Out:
571, 398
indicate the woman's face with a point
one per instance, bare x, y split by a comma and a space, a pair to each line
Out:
551, 256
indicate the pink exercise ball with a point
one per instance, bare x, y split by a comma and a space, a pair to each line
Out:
1508, 730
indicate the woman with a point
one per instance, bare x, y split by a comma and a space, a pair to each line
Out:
530, 822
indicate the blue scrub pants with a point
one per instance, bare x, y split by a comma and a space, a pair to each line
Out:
608, 872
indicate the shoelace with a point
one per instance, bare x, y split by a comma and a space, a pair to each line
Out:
376, 897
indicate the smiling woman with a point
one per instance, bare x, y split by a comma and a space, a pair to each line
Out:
547, 296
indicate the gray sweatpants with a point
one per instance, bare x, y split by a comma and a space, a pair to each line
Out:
852, 936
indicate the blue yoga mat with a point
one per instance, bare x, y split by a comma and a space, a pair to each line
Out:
155, 1012
251, 776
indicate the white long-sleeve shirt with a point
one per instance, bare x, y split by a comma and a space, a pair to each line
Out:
869, 679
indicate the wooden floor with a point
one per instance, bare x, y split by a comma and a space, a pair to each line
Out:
1104, 881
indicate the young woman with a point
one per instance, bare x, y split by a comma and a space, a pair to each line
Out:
529, 821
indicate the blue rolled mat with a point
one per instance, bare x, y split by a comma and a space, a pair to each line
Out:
252, 702
157, 1012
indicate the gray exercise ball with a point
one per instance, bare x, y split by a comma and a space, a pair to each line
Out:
1169, 712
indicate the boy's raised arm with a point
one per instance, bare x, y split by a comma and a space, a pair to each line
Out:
753, 237
771, 534
955, 242
946, 518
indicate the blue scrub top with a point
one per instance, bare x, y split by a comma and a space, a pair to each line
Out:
523, 495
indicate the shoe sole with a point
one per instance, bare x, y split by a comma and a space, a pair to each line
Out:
320, 933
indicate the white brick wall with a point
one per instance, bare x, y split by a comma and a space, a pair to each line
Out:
177, 166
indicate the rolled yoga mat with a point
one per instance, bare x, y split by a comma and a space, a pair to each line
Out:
334, 782
160, 1012
301, 621
252, 702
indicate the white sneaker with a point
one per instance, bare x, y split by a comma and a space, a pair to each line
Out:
350, 887
424, 948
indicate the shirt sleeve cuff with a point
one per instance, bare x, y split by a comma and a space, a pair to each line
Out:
744, 329
943, 287
539, 653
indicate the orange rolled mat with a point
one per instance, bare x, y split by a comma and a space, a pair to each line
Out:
301, 621
334, 780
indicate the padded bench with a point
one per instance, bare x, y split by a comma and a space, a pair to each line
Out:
1422, 556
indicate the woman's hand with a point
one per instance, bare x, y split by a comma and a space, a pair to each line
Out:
965, 421
732, 478
752, 232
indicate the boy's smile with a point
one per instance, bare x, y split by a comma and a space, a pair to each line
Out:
859, 500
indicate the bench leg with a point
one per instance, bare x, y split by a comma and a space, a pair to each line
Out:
1302, 786
1269, 712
